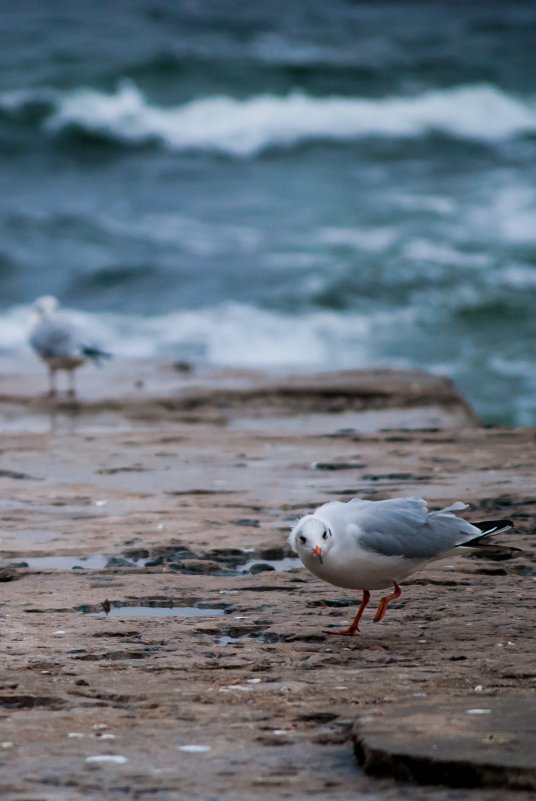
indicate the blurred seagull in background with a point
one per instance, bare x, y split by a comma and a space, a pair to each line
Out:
372, 545
59, 343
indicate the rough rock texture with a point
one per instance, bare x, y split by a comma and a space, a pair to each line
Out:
163, 520
452, 741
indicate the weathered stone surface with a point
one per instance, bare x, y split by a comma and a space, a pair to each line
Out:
254, 678
457, 742
157, 394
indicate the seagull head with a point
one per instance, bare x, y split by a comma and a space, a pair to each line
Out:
46, 305
311, 537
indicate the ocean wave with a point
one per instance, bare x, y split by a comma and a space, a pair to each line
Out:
230, 334
240, 335
506, 214
244, 127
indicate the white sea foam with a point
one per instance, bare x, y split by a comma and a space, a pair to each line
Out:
437, 204
508, 214
229, 335
244, 127
425, 250
373, 240
519, 277
238, 335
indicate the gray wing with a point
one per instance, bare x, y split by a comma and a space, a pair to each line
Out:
404, 527
55, 338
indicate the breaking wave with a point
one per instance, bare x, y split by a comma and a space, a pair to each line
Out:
230, 334
244, 127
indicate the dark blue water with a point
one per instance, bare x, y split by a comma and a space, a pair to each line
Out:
302, 184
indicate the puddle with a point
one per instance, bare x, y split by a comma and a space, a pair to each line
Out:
261, 565
156, 611
151, 607
231, 562
95, 562
226, 640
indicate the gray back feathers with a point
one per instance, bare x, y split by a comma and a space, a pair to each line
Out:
400, 526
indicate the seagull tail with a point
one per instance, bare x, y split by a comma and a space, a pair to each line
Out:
95, 354
487, 528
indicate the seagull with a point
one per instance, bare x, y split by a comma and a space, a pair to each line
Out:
59, 343
373, 545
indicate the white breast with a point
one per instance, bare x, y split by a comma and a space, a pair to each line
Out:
358, 569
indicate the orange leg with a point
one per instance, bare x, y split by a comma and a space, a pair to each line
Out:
52, 383
71, 392
349, 632
384, 603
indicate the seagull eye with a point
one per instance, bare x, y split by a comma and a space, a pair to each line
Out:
325, 535
302, 539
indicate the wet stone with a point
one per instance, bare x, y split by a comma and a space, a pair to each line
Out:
195, 566
448, 741
254, 668
119, 561
217, 562
260, 567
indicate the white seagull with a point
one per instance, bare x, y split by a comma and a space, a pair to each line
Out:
59, 343
372, 545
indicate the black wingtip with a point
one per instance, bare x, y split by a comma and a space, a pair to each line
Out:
488, 527
493, 526
95, 353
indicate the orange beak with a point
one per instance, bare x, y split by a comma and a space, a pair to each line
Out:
317, 550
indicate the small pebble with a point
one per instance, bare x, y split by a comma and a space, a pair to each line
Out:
194, 749
114, 758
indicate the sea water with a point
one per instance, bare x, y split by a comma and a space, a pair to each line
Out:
303, 185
